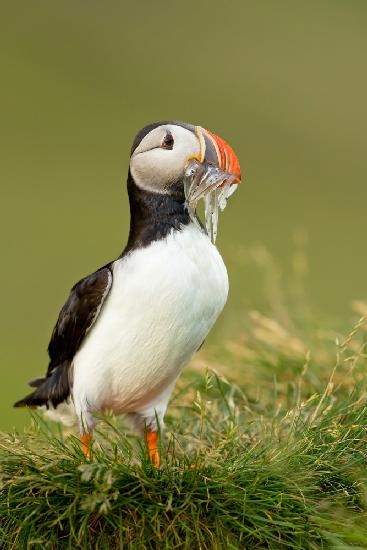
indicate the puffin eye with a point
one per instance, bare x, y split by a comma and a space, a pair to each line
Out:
168, 141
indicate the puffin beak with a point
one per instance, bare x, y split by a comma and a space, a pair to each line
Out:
217, 152
215, 168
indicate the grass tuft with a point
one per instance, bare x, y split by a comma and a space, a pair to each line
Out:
266, 447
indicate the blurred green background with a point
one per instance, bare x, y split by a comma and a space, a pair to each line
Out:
284, 82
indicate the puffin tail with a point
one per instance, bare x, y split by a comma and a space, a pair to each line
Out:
37, 398
52, 390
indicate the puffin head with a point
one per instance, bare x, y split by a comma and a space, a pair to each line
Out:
161, 153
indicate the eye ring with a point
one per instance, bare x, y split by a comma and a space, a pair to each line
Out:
168, 141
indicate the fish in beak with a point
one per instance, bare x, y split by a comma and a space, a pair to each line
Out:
212, 175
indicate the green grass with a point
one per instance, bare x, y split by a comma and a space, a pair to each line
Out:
265, 447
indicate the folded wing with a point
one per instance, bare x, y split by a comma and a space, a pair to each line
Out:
76, 319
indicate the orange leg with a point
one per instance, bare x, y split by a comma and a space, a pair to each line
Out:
86, 445
151, 439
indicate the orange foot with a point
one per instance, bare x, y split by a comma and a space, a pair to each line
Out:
86, 445
151, 439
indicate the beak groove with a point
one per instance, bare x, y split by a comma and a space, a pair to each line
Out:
215, 150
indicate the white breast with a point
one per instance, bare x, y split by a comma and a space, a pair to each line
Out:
164, 300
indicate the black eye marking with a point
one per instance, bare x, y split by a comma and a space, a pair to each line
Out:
168, 141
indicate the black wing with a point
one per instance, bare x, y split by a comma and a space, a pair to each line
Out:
76, 318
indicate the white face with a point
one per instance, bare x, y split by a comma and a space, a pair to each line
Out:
160, 159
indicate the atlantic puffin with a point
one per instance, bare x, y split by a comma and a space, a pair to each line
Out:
127, 330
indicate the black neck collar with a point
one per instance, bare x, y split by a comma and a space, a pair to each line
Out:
153, 215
